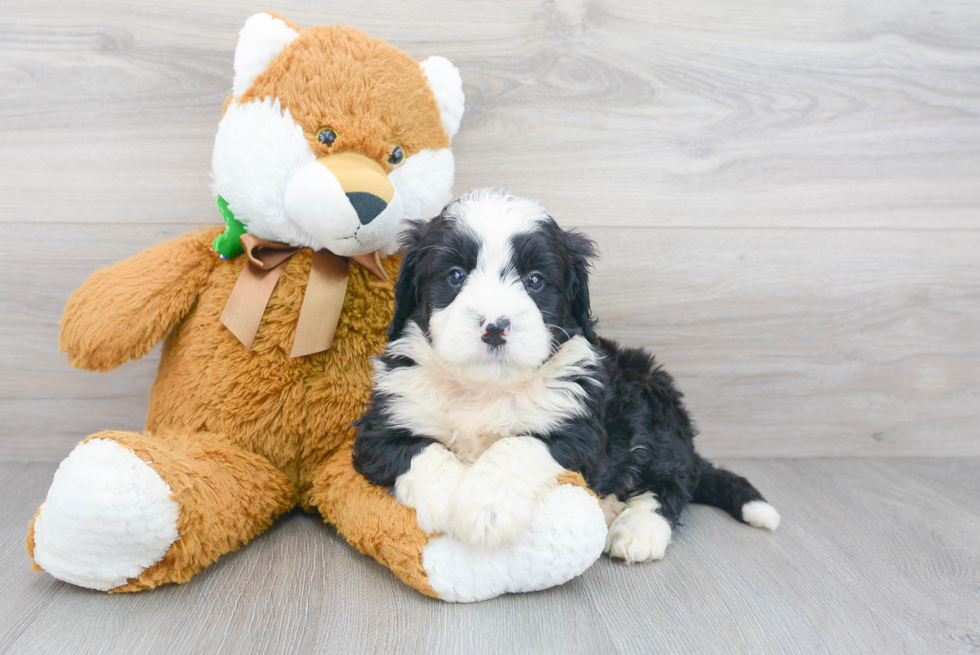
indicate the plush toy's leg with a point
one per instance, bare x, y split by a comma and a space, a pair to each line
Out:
566, 537
129, 511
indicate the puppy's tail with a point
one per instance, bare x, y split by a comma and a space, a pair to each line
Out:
736, 495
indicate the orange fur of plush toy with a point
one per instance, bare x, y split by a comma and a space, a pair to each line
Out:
385, 101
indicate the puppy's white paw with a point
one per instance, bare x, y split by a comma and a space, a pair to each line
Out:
429, 486
494, 503
760, 514
490, 512
639, 534
612, 507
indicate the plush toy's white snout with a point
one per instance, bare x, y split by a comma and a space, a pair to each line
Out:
345, 202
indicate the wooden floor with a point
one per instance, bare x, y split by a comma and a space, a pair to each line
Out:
786, 195
874, 555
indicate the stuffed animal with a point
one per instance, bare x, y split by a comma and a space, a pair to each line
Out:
329, 139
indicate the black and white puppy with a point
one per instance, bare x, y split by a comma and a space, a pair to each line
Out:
494, 382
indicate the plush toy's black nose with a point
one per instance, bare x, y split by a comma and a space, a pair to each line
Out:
494, 332
367, 205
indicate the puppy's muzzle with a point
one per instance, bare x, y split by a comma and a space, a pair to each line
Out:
364, 183
494, 333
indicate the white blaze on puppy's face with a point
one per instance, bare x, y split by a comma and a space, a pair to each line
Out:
493, 330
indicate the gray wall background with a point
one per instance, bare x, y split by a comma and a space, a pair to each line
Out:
786, 195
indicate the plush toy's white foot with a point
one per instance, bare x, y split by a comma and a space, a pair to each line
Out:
108, 517
639, 534
566, 537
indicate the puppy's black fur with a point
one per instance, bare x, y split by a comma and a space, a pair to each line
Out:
635, 437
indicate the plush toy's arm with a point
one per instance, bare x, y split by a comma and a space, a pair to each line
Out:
122, 311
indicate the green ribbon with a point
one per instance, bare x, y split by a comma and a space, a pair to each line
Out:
227, 243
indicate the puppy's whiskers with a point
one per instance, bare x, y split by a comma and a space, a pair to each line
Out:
559, 328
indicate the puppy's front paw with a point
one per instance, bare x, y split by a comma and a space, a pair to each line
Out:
429, 486
639, 533
495, 500
612, 507
490, 513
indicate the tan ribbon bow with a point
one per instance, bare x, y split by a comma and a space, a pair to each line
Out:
322, 303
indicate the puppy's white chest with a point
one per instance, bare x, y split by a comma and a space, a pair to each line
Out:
429, 400
475, 424
470, 420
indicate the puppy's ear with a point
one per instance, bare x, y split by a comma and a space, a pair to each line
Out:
408, 293
581, 251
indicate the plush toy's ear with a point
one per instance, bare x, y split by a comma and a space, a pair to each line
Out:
447, 85
581, 250
408, 293
261, 39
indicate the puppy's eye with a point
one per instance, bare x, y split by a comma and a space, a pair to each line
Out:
397, 156
534, 281
326, 136
456, 277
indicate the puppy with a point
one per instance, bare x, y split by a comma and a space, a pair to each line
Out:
495, 382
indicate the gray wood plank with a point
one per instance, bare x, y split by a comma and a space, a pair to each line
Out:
873, 556
855, 333
624, 113
787, 342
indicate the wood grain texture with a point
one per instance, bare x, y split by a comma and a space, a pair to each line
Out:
786, 342
786, 196
708, 113
874, 556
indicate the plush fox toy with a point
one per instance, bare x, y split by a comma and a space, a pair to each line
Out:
329, 139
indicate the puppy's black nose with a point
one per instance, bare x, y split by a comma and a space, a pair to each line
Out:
367, 205
494, 332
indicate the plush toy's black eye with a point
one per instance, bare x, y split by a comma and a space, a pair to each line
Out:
326, 136
534, 281
456, 277
397, 156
